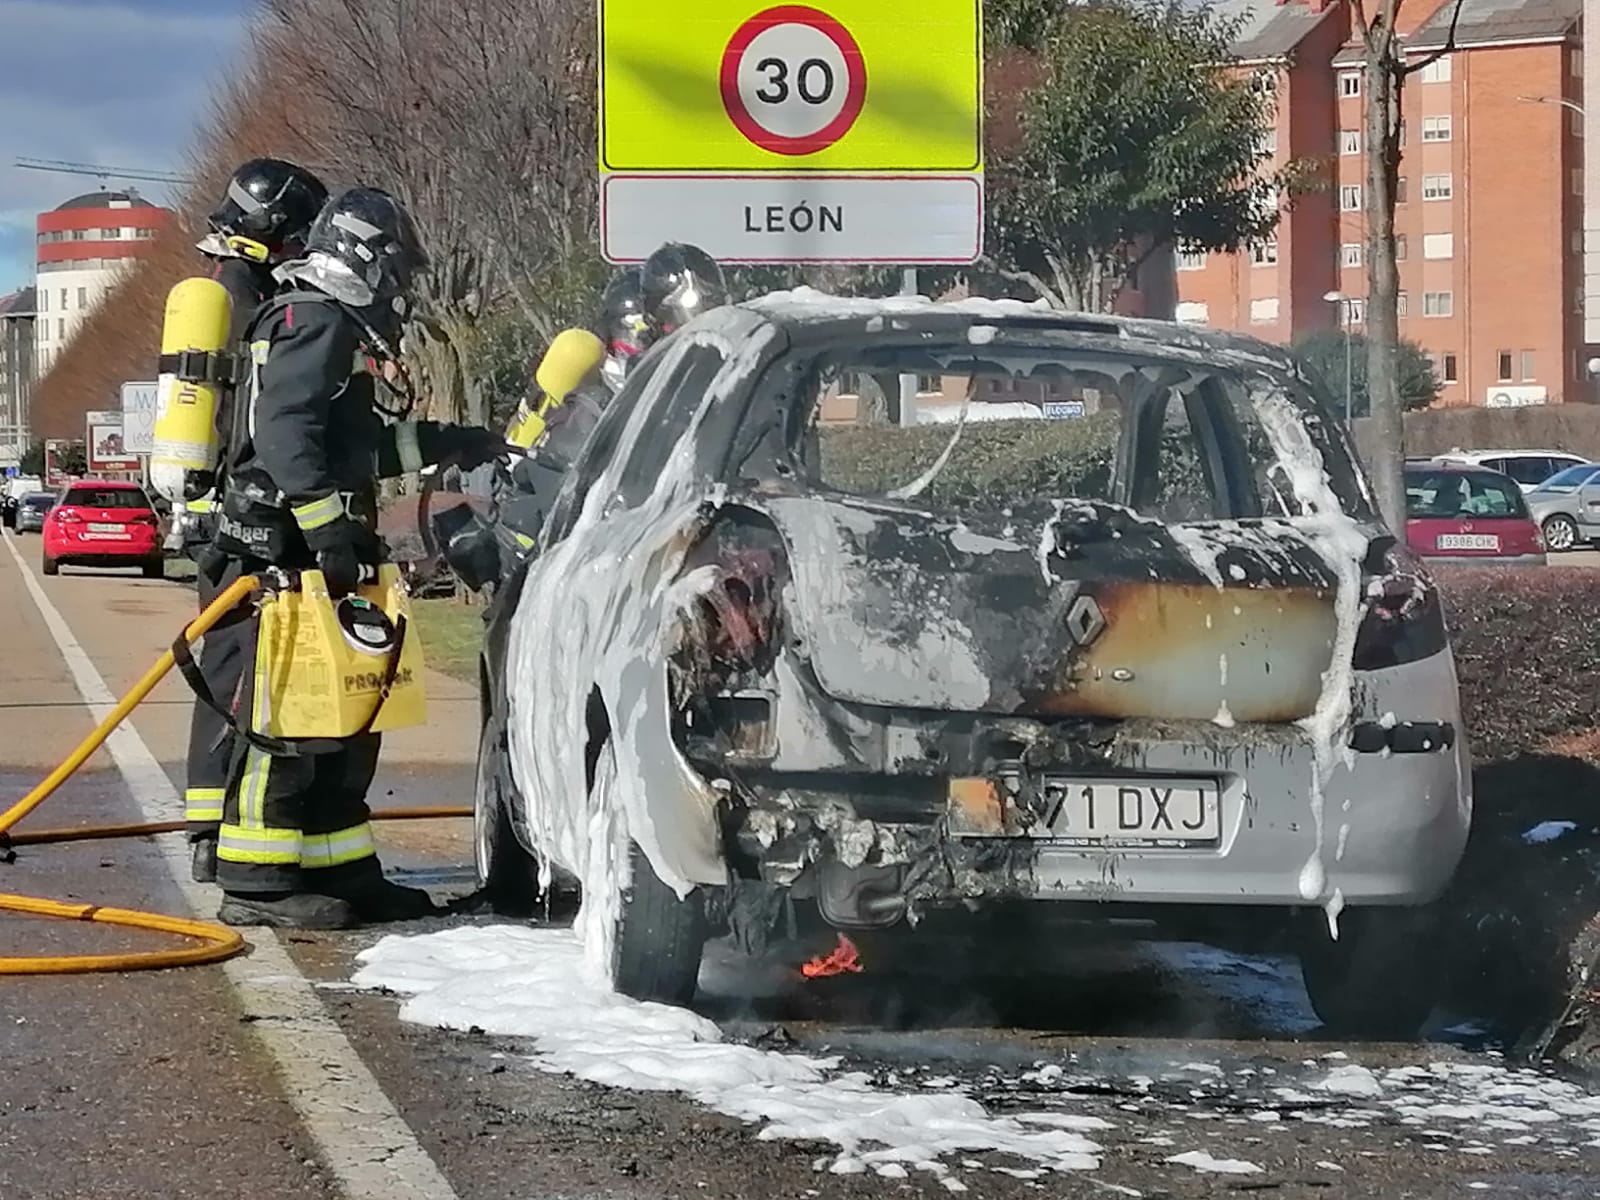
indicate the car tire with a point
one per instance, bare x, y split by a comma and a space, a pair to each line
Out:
155, 568
1560, 532
49, 565
508, 875
660, 938
1379, 980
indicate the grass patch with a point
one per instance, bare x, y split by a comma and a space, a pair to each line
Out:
452, 636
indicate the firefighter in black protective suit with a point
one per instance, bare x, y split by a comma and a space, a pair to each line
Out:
640, 306
261, 223
295, 847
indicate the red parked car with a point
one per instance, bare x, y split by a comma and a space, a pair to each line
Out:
103, 524
1456, 512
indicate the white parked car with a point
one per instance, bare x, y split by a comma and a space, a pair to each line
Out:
1529, 468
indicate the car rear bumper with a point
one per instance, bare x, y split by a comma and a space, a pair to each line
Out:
1487, 560
77, 550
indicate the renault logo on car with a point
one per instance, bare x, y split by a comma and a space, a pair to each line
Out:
1083, 618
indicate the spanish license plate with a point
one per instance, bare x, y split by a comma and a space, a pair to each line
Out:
1147, 812
1469, 541
107, 527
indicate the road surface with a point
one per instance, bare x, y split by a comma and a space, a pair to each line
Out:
274, 1076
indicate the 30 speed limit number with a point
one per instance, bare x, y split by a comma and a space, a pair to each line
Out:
793, 80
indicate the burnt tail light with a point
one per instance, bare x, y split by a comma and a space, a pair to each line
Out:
1402, 617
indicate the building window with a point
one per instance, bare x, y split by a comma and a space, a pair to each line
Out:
1437, 187
1402, 305
1349, 83
1575, 122
80, 235
83, 297
1400, 190
1350, 198
1264, 254
1437, 304
1438, 245
1400, 134
1263, 312
1577, 181
1267, 142
44, 331
1264, 82
1191, 260
44, 300
110, 235
1575, 56
1438, 71
1192, 312
63, 299
1528, 363
1355, 311
1400, 247
1503, 369
1436, 129
1448, 374
1349, 141
61, 329
1350, 254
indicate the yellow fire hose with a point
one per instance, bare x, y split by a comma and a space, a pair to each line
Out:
218, 942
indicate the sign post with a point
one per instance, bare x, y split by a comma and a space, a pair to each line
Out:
103, 445
139, 418
833, 132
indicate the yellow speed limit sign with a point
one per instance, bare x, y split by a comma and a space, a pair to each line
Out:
843, 86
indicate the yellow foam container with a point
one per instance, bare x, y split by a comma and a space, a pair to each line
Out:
321, 677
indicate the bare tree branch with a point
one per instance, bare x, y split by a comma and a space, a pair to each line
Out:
1448, 47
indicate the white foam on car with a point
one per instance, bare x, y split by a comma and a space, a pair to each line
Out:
1343, 546
596, 612
533, 983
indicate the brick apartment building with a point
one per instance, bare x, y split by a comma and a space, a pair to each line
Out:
1275, 290
1490, 214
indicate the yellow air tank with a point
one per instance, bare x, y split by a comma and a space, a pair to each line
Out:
573, 355
322, 663
194, 333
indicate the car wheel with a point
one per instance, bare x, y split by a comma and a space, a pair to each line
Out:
1560, 532
155, 568
507, 874
659, 937
49, 565
1379, 980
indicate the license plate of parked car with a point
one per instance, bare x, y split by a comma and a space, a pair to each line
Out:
106, 527
1151, 812
1469, 541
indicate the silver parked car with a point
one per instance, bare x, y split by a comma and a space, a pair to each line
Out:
1156, 664
32, 510
1566, 507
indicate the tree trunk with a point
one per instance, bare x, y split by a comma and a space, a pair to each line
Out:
1383, 82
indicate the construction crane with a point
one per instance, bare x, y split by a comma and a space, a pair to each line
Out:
104, 174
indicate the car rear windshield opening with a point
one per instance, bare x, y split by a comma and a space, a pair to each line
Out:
86, 497
1445, 495
1178, 442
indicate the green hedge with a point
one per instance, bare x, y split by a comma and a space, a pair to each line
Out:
996, 463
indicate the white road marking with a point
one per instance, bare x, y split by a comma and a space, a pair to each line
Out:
365, 1143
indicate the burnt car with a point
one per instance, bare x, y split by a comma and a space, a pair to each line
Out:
1155, 661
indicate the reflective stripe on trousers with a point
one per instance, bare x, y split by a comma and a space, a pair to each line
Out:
203, 804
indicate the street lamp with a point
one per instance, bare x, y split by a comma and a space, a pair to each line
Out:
1343, 301
1561, 100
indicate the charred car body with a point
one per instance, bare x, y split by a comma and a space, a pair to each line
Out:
1156, 660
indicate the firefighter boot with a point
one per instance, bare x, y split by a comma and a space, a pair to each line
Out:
286, 910
377, 900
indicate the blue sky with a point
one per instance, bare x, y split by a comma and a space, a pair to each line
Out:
112, 82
